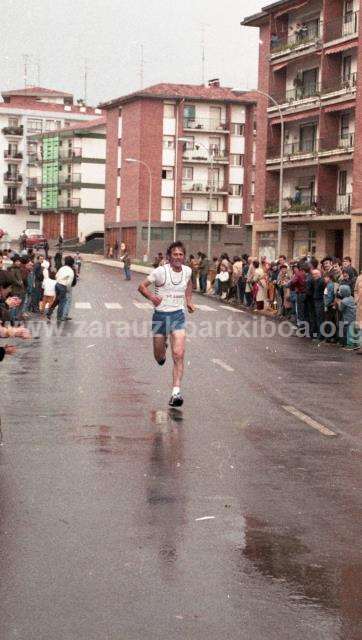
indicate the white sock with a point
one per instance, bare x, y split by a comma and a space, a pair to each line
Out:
175, 391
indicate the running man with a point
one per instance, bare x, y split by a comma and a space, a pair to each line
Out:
172, 285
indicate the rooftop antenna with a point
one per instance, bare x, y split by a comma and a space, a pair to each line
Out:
85, 80
142, 66
26, 61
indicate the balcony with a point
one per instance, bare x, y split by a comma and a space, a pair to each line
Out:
311, 206
32, 182
196, 216
34, 157
347, 85
11, 202
31, 195
344, 204
64, 204
12, 178
12, 155
203, 188
70, 180
205, 124
343, 145
303, 92
13, 131
345, 26
216, 156
305, 36
70, 155
294, 150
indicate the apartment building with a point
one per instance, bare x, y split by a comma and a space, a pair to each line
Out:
24, 112
309, 62
66, 180
193, 146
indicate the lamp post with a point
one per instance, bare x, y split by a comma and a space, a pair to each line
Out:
281, 175
146, 258
211, 160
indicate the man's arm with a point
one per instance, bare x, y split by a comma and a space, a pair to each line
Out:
146, 293
188, 295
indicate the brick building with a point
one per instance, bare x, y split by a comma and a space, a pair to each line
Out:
212, 168
24, 112
66, 180
310, 61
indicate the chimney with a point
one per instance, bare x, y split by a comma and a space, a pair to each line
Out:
214, 82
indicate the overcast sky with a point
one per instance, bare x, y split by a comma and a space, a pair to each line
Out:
61, 34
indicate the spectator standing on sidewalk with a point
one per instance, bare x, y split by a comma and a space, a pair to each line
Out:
125, 258
203, 271
298, 285
48, 286
318, 300
348, 308
358, 300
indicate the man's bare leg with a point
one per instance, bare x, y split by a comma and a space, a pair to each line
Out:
178, 339
159, 348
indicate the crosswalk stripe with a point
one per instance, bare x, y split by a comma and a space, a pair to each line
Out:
224, 306
113, 305
222, 364
204, 307
82, 305
142, 305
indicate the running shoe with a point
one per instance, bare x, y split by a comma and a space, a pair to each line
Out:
176, 400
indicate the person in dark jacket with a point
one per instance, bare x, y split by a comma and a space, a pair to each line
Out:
58, 261
36, 292
318, 301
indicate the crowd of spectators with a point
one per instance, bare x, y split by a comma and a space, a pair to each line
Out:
32, 285
323, 298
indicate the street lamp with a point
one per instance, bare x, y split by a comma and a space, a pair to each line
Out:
281, 175
211, 160
149, 204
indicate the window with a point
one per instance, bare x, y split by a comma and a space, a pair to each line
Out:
237, 129
168, 142
35, 125
215, 116
158, 233
344, 126
190, 144
346, 68
58, 124
214, 145
186, 204
32, 224
189, 112
236, 189
167, 173
312, 242
166, 204
342, 183
13, 122
214, 204
168, 110
187, 173
236, 160
234, 219
49, 125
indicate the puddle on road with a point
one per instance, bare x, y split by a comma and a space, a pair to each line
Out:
286, 560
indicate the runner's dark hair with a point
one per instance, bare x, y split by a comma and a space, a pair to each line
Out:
176, 245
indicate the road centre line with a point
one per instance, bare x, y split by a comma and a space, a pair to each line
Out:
309, 421
222, 364
113, 305
82, 305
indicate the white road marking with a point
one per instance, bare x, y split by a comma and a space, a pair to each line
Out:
204, 307
205, 518
222, 364
113, 305
224, 306
310, 421
83, 305
142, 305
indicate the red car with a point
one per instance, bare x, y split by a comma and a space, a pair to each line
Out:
35, 241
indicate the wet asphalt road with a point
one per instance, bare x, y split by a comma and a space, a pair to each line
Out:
105, 493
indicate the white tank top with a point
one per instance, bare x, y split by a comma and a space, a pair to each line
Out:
170, 286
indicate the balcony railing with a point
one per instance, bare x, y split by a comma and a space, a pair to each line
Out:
310, 204
204, 188
344, 203
70, 154
294, 149
13, 131
193, 215
208, 124
12, 201
305, 35
205, 155
12, 155
75, 178
62, 203
14, 178
346, 25
331, 144
303, 92
347, 84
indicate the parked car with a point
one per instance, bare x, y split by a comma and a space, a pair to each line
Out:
34, 239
